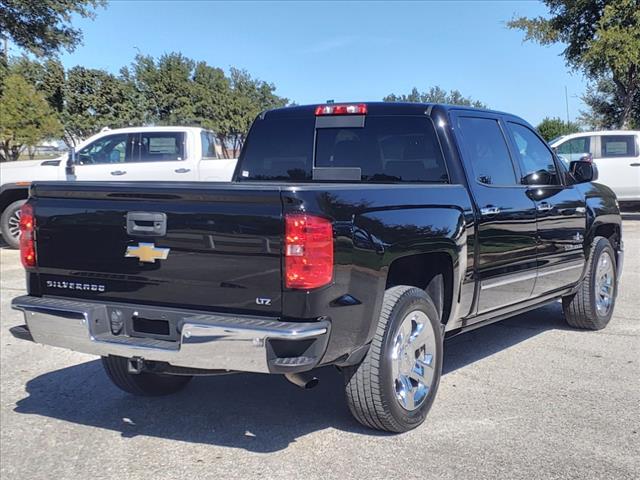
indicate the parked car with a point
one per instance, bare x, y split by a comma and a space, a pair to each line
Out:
615, 152
138, 153
359, 236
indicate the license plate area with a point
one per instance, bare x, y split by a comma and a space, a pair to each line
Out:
149, 326
144, 323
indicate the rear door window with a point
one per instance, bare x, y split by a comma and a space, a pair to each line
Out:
612, 146
487, 150
158, 147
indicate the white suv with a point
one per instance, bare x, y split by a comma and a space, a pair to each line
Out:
615, 152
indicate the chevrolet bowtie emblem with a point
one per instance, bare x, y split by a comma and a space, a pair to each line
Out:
147, 252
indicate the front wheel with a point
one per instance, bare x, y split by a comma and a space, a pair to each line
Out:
10, 223
396, 383
144, 383
591, 307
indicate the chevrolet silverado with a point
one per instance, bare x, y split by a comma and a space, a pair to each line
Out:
353, 235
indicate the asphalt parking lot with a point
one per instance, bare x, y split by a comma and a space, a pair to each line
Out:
524, 398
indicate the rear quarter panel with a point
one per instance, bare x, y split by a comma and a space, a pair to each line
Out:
375, 225
602, 209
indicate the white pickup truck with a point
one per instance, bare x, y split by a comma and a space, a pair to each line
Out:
616, 153
136, 153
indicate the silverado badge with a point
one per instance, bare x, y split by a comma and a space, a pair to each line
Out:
147, 252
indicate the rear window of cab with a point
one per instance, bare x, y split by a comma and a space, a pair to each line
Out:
388, 149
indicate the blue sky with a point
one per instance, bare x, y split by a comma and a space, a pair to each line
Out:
314, 51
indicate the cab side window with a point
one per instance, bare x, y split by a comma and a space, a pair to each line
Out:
209, 151
575, 146
612, 146
105, 150
487, 149
536, 159
158, 147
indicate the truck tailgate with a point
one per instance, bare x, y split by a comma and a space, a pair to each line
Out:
224, 244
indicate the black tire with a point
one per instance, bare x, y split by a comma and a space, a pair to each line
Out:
142, 384
580, 309
370, 386
6, 223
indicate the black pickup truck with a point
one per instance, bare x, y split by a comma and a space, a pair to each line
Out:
353, 235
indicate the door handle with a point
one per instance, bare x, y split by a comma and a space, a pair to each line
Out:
118, 172
182, 170
634, 164
490, 210
544, 207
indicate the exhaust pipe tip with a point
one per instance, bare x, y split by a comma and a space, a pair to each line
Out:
304, 381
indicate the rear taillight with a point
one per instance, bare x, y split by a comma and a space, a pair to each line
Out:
308, 251
27, 234
360, 109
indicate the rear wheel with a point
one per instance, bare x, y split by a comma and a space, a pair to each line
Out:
591, 307
144, 383
10, 223
396, 383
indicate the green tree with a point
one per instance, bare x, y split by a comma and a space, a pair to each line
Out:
605, 106
25, 118
95, 99
43, 27
47, 76
551, 128
248, 97
602, 40
435, 95
211, 93
166, 86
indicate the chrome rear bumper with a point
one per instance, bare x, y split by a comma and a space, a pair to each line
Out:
206, 341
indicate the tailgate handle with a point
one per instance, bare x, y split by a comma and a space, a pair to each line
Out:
147, 224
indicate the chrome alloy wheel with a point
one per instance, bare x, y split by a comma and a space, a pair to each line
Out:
413, 360
14, 224
604, 284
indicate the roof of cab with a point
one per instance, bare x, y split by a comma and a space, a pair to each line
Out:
160, 128
376, 108
591, 133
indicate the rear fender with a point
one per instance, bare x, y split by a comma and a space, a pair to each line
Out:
11, 192
401, 233
603, 216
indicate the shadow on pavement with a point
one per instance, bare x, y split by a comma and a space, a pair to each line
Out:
258, 413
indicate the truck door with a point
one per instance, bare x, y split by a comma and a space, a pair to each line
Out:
560, 211
104, 158
506, 229
158, 155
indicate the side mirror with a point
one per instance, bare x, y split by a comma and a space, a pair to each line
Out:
583, 171
71, 162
